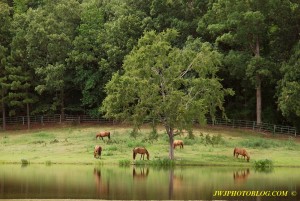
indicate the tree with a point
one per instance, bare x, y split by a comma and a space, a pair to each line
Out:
162, 82
49, 41
5, 37
250, 32
107, 32
289, 87
21, 77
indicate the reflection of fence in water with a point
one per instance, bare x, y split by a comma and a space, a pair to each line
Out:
48, 119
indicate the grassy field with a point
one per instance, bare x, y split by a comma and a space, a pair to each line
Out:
211, 146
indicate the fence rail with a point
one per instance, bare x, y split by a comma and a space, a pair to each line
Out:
47, 119
262, 127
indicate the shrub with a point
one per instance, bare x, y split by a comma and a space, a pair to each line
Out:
124, 163
25, 162
48, 163
265, 165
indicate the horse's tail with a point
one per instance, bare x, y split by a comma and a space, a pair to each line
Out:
234, 151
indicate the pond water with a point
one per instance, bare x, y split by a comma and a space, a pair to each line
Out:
147, 183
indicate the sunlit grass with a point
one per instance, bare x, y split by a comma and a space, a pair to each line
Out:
211, 146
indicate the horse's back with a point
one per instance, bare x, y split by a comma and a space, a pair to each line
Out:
178, 142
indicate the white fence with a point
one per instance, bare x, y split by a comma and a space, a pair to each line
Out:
77, 119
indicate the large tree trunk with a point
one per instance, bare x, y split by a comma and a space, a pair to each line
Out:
258, 86
258, 99
170, 132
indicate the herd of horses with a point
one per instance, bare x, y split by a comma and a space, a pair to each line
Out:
143, 151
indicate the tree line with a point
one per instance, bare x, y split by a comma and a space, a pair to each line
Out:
58, 56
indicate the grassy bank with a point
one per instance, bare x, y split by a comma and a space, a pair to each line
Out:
211, 146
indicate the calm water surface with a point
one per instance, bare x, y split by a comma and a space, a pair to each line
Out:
136, 183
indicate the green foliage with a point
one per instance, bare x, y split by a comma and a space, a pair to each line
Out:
124, 163
112, 148
165, 162
265, 165
289, 85
25, 162
211, 140
64, 55
48, 163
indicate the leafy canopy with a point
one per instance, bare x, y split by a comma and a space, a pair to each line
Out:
165, 83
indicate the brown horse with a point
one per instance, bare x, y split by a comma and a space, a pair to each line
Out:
142, 151
240, 151
103, 134
97, 151
178, 143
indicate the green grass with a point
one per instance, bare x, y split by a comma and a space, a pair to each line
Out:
211, 146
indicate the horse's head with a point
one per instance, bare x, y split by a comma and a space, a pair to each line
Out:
148, 155
248, 158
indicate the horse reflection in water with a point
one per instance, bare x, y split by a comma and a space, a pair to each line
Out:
241, 176
102, 187
141, 175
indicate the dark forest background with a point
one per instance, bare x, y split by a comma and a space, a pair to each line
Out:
57, 55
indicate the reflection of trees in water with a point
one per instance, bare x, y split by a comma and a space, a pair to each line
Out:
175, 183
142, 174
241, 176
102, 187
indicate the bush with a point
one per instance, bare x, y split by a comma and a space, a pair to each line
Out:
48, 163
124, 163
265, 165
25, 162
211, 140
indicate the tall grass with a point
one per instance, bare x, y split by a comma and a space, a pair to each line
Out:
268, 143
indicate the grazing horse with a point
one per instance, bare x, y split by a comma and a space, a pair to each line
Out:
103, 134
140, 150
178, 143
243, 152
97, 151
